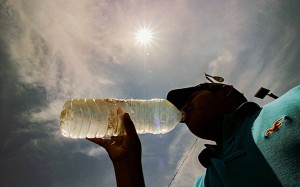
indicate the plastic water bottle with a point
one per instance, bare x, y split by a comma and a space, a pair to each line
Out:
81, 118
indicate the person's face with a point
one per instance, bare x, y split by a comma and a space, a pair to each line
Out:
204, 113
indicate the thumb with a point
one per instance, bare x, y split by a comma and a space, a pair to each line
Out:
128, 124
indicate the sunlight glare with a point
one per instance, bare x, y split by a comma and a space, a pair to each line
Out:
144, 36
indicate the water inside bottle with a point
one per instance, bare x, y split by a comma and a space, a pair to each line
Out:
65, 118
82, 118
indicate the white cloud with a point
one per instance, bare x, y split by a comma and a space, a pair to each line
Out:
92, 151
59, 46
222, 64
51, 112
66, 48
85, 49
188, 167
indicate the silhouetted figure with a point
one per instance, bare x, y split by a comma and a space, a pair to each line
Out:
254, 146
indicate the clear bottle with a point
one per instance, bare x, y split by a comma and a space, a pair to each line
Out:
81, 118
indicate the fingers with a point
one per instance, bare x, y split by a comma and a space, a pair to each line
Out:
128, 124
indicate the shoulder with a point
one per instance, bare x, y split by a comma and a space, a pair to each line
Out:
285, 111
276, 131
287, 102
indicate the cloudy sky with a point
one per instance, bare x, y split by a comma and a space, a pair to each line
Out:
54, 50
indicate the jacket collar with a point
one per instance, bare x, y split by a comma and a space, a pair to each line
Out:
233, 122
231, 125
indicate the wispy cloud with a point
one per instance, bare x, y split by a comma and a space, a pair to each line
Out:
67, 48
190, 167
58, 44
70, 49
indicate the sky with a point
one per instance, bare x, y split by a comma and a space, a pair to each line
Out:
51, 51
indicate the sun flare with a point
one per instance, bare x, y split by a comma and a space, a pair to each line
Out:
144, 36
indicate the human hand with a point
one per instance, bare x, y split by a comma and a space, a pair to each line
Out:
122, 148
125, 153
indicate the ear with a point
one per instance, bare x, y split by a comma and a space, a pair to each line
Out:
227, 90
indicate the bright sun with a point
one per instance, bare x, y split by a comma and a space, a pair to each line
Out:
144, 36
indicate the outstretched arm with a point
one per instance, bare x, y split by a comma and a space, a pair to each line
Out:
125, 153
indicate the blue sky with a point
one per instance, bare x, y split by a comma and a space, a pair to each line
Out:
52, 51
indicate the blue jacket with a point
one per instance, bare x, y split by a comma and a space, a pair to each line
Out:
261, 146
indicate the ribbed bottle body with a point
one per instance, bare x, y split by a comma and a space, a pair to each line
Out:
81, 118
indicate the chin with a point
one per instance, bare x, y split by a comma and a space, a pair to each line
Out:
201, 133
196, 133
